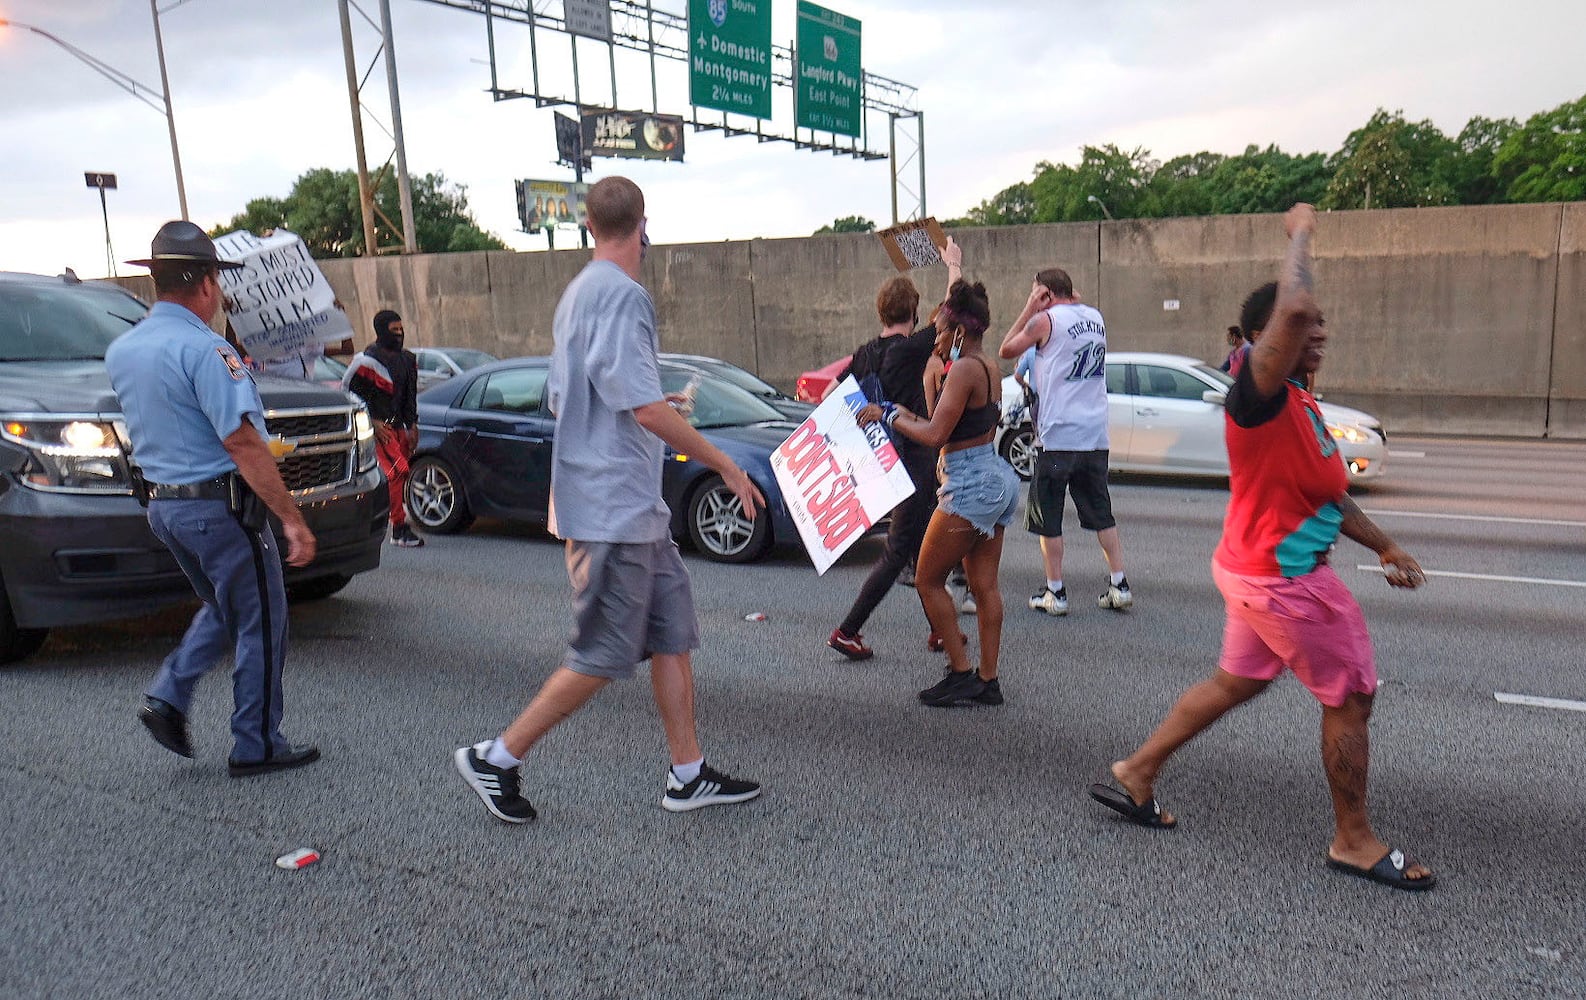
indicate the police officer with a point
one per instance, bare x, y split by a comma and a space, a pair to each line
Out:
198, 435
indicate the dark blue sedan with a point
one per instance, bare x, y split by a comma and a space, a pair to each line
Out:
485, 451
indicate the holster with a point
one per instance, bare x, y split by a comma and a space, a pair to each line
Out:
246, 506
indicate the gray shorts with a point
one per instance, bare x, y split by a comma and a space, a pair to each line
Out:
630, 600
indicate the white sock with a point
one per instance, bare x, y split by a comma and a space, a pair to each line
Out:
1117, 578
1055, 586
688, 772
498, 756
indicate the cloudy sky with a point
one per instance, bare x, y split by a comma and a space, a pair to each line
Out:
259, 91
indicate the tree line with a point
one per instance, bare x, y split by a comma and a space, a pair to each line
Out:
1389, 162
323, 208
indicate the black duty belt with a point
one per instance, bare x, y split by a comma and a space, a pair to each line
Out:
218, 488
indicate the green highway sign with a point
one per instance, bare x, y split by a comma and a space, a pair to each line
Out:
827, 80
729, 55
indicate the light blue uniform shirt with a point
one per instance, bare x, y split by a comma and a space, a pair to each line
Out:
182, 390
605, 467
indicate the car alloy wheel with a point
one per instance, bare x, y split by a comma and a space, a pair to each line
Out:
721, 530
435, 498
1021, 449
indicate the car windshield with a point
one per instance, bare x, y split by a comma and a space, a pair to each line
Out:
45, 322
718, 403
467, 358
1222, 378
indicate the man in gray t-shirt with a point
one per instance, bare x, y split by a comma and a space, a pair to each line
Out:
632, 600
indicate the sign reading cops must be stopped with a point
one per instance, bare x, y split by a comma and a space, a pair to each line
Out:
729, 55
827, 86
278, 302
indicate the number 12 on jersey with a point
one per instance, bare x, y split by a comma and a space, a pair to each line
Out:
1089, 362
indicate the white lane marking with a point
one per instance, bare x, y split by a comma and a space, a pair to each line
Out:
1396, 453
1487, 576
1536, 702
1475, 517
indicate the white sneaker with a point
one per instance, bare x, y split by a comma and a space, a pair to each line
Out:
1117, 597
1053, 603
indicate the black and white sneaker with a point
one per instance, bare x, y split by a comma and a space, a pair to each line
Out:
711, 788
1117, 598
497, 787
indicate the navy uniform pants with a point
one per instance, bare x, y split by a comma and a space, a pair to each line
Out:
237, 574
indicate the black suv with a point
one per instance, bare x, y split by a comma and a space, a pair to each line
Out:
75, 547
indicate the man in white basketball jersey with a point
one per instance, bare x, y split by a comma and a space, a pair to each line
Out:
1070, 375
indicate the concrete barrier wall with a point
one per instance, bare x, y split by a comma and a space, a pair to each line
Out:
1453, 320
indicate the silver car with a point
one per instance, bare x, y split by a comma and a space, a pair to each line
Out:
1165, 415
436, 364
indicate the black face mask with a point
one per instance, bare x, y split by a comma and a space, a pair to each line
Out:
390, 340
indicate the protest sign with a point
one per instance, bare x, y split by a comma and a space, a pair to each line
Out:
837, 478
278, 302
914, 244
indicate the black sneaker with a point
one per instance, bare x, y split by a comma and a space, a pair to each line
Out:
954, 689
711, 788
497, 787
992, 695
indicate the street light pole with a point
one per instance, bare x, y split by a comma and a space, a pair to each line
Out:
139, 90
170, 119
1101, 205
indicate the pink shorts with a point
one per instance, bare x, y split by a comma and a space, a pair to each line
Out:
1310, 623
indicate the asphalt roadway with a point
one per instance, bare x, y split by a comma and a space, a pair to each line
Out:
898, 851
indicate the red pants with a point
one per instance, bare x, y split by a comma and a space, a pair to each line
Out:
392, 451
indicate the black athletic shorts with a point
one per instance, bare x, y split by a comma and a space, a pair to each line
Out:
1079, 474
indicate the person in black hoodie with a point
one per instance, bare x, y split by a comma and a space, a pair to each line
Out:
897, 360
386, 378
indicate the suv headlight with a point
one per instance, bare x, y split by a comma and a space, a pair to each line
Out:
70, 455
366, 445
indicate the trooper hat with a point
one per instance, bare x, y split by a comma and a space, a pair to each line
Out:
179, 241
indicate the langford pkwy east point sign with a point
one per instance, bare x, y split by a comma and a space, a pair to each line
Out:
827, 85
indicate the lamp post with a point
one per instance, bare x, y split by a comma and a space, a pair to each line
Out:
1100, 205
142, 92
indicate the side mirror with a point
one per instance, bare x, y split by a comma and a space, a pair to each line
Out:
1214, 397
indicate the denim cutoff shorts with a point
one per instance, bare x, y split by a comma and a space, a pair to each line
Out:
979, 487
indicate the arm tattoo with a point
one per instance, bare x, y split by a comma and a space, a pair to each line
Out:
1297, 266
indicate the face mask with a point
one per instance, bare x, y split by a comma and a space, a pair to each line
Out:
958, 345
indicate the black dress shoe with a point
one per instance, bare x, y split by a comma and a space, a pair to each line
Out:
294, 756
167, 725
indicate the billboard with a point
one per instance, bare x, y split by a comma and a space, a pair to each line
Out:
543, 204
634, 135
828, 90
729, 56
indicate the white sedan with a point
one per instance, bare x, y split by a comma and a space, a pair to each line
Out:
1165, 415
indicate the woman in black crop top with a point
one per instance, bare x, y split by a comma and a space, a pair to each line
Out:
977, 498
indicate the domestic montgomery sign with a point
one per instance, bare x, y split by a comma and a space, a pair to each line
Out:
729, 56
828, 93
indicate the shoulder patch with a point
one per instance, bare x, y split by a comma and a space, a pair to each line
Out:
233, 366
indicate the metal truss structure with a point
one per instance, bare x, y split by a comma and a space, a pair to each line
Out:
661, 34
399, 237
